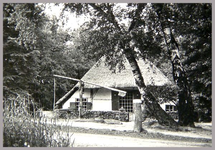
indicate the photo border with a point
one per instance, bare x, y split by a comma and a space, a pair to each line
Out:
97, 1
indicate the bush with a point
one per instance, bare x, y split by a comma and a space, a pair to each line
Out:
73, 114
22, 129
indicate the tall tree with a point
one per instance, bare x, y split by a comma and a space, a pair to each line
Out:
20, 56
34, 49
198, 51
184, 32
116, 39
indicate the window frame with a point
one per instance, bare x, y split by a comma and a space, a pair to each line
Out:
127, 102
170, 108
84, 103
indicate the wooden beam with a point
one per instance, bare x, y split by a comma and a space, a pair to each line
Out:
59, 76
121, 92
81, 88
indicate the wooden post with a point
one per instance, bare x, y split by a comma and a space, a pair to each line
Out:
54, 95
137, 115
81, 88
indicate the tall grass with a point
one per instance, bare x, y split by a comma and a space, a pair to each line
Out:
22, 127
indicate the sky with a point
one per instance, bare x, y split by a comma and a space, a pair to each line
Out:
71, 21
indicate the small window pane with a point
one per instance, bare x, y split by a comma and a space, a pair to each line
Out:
84, 103
167, 107
126, 102
171, 108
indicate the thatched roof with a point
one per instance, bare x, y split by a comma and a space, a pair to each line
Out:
100, 74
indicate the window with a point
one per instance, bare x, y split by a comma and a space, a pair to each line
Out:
126, 102
170, 108
84, 103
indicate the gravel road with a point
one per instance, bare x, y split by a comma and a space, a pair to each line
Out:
87, 133
95, 140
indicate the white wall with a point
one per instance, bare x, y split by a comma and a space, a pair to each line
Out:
86, 94
164, 104
101, 99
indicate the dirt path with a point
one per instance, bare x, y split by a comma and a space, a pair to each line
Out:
203, 132
88, 133
92, 140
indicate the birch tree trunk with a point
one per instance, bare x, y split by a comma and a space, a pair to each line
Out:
185, 104
150, 101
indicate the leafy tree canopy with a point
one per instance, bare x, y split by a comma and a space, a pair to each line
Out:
34, 49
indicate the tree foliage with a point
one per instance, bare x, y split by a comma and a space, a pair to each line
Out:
191, 26
34, 49
198, 54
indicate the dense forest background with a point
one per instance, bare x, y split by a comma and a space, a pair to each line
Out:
35, 47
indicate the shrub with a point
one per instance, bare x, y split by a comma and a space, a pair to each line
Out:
21, 127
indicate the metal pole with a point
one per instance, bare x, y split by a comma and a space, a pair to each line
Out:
54, 96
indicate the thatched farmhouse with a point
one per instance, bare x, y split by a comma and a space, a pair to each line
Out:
96, 98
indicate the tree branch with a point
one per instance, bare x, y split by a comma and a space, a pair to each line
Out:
136, 17
109, 16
